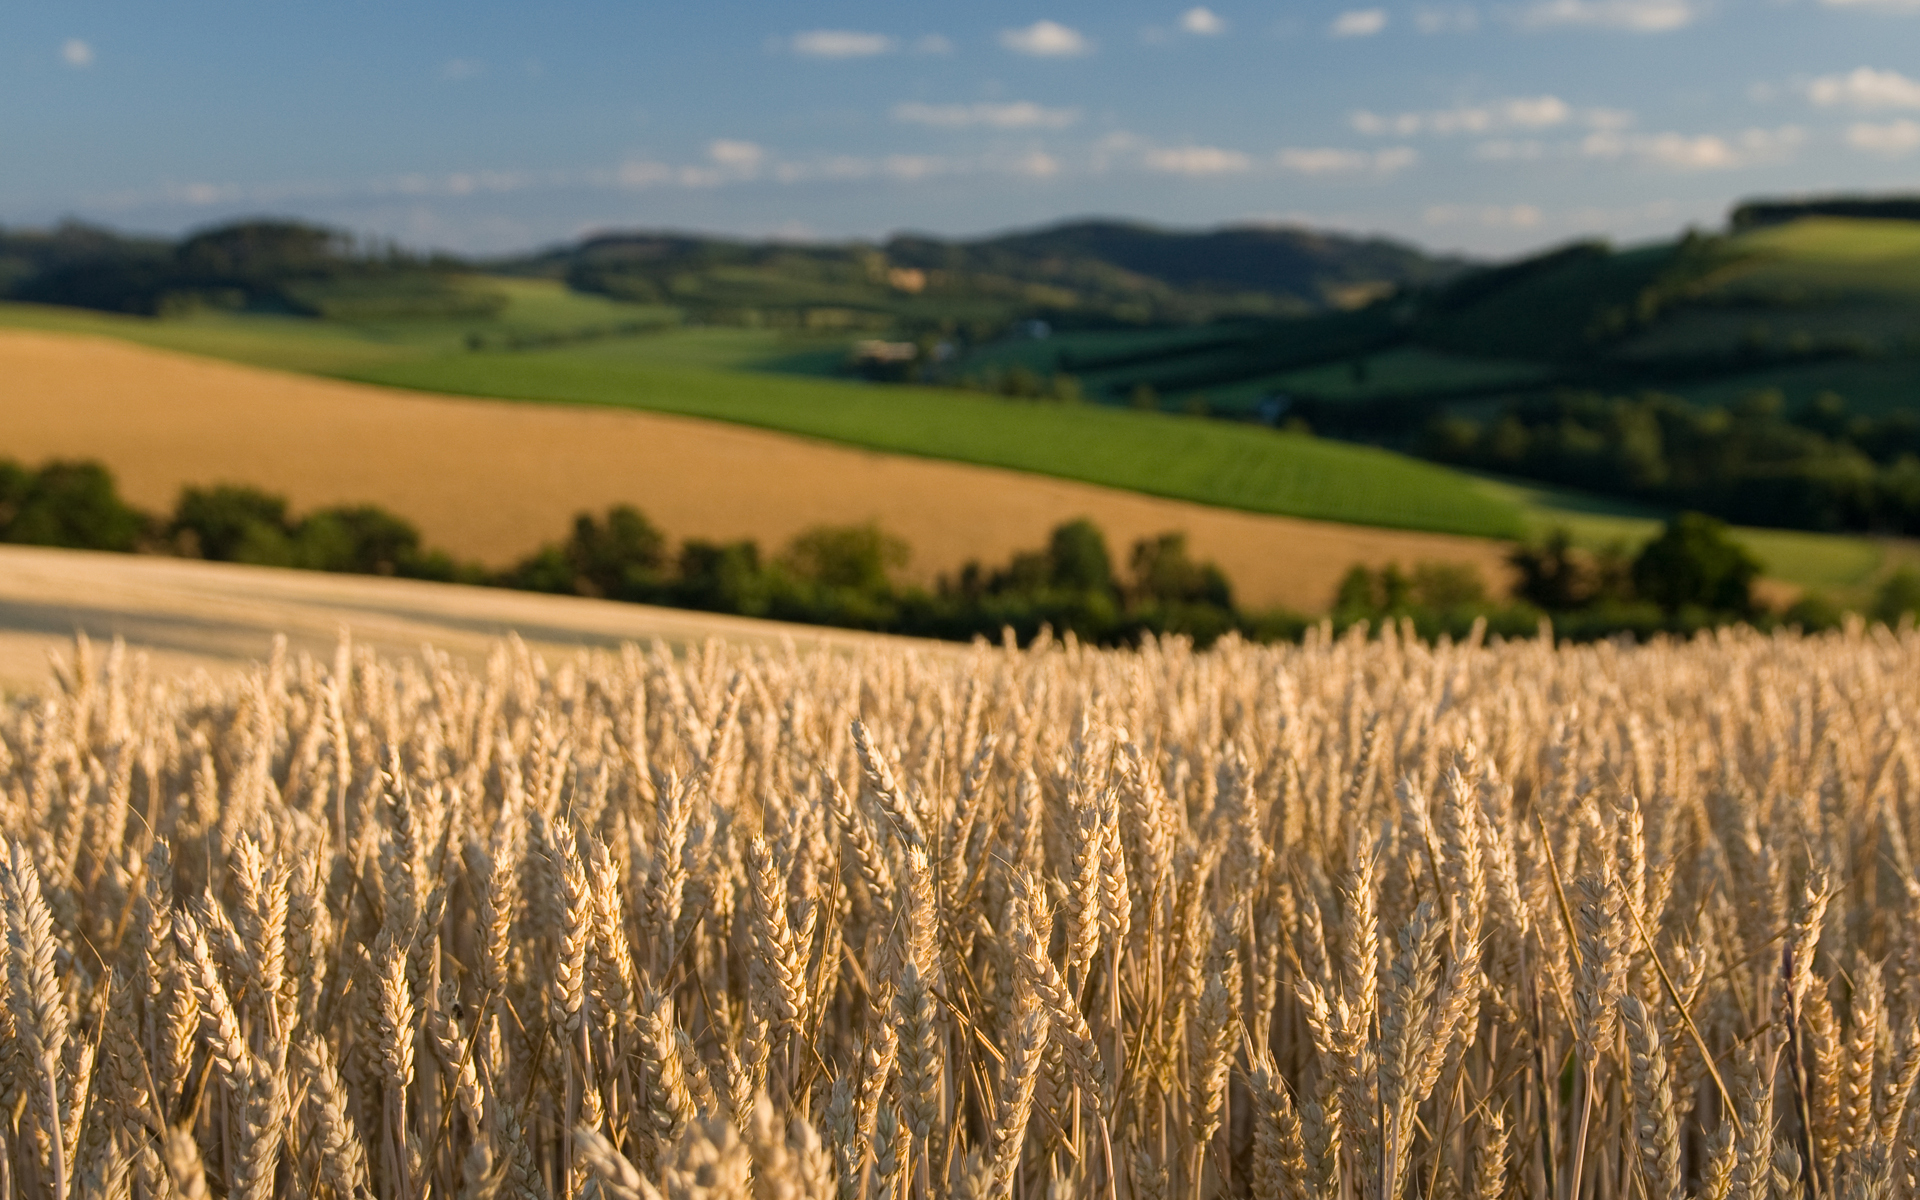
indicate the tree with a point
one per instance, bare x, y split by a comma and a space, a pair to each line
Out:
620, 557
722, 577
1696, 564
234, 523
858, 558
1163, 571
357, 539
1354, 598
1444, 585
69, 504
1078, 559
1551, 576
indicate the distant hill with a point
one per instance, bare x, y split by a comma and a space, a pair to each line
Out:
1092, 273
1086, 273
1794, 297
28, 257
260, 266
1313, 267
1770, 374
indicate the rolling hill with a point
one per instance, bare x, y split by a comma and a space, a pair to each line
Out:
492, 481
1587, 351
1803, 301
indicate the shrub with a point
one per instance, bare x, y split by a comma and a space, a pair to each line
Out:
1898, 596
1813, 612
1695, 564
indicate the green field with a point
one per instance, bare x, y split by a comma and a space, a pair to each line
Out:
1828, 257
738, 375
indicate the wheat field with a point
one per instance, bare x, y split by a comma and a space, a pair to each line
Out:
1354, 919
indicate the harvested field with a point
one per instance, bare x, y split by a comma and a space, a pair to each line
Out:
186, 615
491, 480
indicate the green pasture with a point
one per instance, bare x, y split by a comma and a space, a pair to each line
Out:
1822, 257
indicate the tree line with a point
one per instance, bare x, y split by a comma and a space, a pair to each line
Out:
1692, 576
1822, 467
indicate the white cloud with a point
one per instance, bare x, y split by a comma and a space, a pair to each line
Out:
841, 43
1519, 112
1487, 216
1360, 22
1046, 39
1203, 21
1331, 161
1634, 16
1036, 164
740, 156
1394, 158
208, 193
456, 69
1893, 139
1197, 160
914, 167
1017, 114
1695, 152
1457, 19
736, 163
76, 53
1865, 88
835, 167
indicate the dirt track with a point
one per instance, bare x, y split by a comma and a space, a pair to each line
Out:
491, 480
185, 615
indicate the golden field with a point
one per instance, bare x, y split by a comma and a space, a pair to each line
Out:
184, 615
1348, 920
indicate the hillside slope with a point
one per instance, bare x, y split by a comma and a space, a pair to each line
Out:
491, 481
1818, 302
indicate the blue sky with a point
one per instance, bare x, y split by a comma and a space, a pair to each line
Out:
1490, 127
